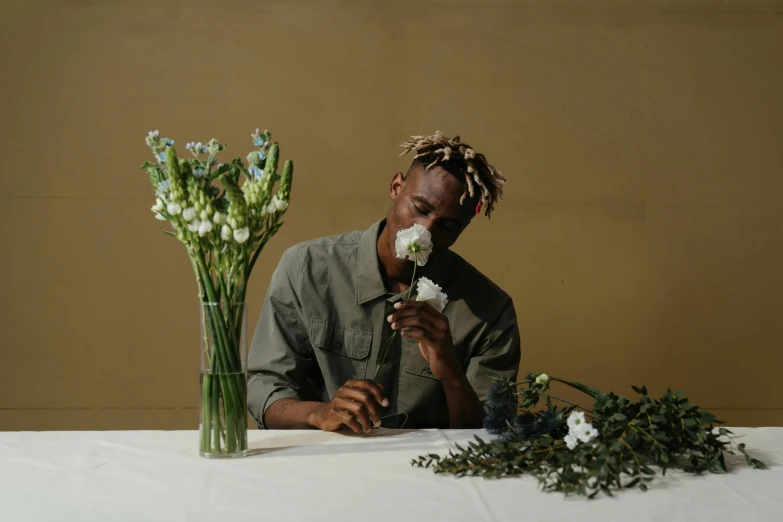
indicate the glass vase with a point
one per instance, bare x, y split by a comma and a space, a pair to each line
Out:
223, 408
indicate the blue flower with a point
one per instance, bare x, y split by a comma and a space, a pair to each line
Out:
199, 172
169, 143
256, 172
161, 157
163, 186
258, 142
494, 424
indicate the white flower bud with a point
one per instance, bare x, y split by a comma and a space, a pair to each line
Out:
158, 206
160, 217
241, 235
280, 204
225, 233
189, 214
218, 218
205, 228
270, 209
193, 226
542, 379
204, 216
173, 208
233, 222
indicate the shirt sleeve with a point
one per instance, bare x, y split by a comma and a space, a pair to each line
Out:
499, 353
280, 354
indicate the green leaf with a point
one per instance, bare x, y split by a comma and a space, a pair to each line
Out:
657, 418
690, 423
643, 486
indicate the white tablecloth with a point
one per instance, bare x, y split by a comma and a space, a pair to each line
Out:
309, 475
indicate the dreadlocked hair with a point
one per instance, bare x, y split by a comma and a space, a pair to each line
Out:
459, 158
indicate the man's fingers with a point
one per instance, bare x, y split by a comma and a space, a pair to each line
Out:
349, 420
374, 388
430, 314
416, 321
367, 399
418, 334
356, 410
424, 305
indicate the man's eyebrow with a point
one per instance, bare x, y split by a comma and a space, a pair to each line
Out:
424, 201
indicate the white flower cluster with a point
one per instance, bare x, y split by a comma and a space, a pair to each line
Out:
579, 430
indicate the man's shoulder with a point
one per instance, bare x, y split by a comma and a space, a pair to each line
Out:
479, 285
334, 246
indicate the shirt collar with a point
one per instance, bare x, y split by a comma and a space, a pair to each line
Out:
369, 283
368, 280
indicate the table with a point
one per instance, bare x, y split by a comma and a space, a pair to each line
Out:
316, 476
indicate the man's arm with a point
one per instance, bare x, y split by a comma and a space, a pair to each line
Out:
465, 390
280, 359
280, 354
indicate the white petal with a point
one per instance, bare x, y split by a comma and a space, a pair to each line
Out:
193, 225
280, 204
205, 228
173, 209
241, 235
414, 243
225, 233
189, 214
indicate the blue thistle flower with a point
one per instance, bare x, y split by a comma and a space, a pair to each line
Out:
494, 424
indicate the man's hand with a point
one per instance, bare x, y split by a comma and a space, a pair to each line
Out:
357, 404
431, 328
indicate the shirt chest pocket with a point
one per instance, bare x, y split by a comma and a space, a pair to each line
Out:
347, 341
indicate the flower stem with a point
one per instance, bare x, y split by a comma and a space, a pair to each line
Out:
386, 345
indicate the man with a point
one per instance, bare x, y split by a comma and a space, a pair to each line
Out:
333, 302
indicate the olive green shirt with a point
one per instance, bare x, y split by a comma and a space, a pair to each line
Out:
323, 323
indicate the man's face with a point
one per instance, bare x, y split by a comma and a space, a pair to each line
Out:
431, 199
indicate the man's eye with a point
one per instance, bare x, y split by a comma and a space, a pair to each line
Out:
422, 211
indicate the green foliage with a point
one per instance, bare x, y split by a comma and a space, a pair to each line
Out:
637, 438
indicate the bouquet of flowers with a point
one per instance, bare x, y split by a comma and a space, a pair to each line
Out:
618, 448
223, 228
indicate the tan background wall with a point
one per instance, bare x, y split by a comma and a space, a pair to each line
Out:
641, 237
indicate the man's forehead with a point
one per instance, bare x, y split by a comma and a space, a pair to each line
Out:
441, 189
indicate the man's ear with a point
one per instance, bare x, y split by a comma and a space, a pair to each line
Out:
396, 185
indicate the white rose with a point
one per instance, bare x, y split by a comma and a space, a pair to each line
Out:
415, 243
431, 293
